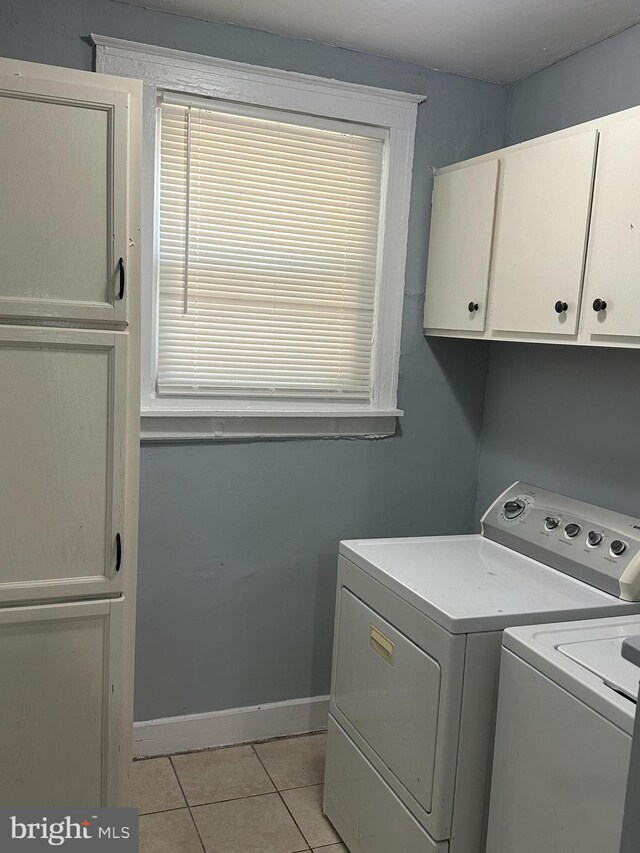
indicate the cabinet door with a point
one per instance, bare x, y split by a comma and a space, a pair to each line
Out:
64, 400
64, 149
613, 263
462, 220
541, 233
60, 667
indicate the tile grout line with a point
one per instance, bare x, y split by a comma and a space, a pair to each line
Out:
193, 820
262, 764
232, 799
163, 811
282, 800
299, 828
300, 787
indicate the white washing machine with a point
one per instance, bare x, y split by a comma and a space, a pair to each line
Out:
631, 823
565, 720
418, 636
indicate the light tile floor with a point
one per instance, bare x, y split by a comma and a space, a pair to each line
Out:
261, 798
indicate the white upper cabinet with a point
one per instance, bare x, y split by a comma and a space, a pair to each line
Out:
611, 304
541, 234
564, 260
64, 155
460, 247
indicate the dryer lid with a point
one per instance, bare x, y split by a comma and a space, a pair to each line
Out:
603, 657
468, 583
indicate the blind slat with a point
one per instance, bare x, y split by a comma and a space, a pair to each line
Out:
268, 242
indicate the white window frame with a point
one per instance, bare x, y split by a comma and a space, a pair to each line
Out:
163, 69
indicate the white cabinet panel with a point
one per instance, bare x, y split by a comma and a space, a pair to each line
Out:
541, 233
59, 667
64, 399
64, 151
613, 262
460, 247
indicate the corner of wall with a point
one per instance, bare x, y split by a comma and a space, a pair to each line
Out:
478, 510
507, 117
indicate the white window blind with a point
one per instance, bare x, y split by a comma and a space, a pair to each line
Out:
268, 254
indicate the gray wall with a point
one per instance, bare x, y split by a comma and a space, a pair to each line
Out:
562, 417
238, 542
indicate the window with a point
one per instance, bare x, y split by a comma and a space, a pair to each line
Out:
272, 292
268, 245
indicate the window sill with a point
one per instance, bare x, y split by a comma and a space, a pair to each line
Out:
242, 426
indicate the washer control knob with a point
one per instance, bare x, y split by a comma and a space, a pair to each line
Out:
551, 522
512, 509
594, 538
618, 547
572, 530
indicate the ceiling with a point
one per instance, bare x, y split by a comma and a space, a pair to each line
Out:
499, 40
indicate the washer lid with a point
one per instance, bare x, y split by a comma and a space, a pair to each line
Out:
604, 658
469, 583
584, 658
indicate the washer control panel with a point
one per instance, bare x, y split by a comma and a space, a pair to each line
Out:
596, 545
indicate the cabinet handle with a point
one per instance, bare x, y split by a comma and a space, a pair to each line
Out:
561, 307
473, 306
118, 552
121, 268
599, 305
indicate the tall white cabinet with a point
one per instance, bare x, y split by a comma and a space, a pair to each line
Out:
69, 376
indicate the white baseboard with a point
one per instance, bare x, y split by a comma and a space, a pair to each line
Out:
224, 728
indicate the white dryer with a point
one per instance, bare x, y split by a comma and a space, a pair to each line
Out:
418, 636
563, 738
